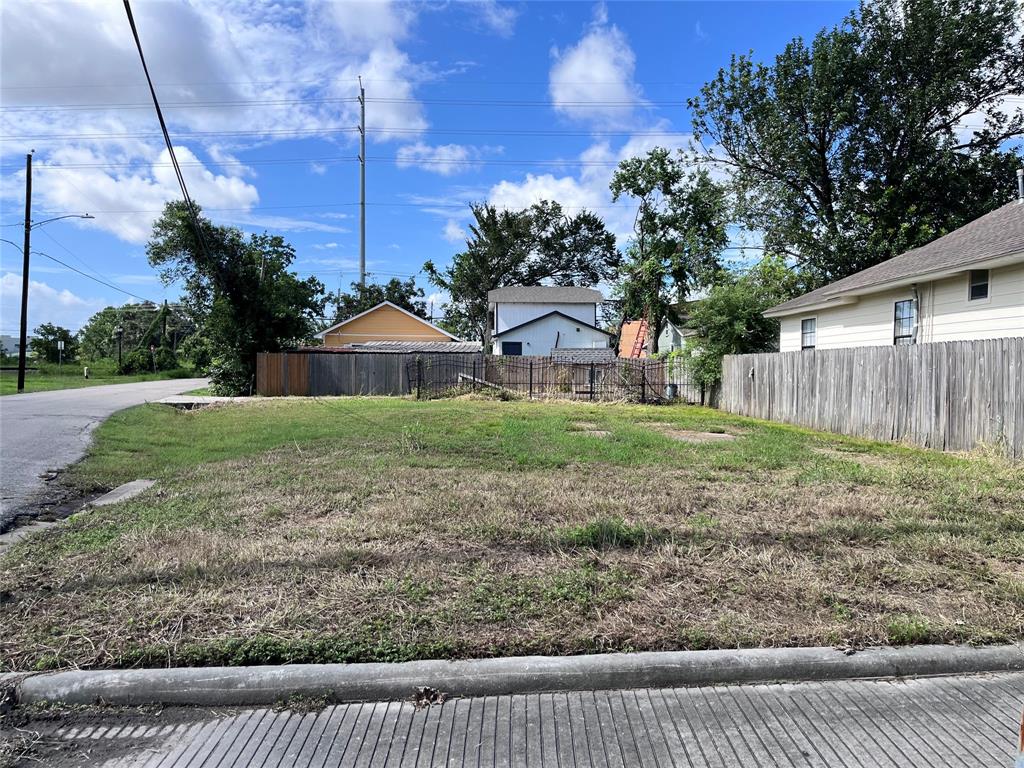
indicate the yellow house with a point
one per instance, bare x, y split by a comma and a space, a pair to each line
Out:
385, 322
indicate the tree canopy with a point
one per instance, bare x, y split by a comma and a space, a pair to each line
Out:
883, 133
678, 234
536, 245
239, 289
44, 343
402, 293
729, 320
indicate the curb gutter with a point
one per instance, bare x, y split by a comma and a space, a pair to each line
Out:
237, 686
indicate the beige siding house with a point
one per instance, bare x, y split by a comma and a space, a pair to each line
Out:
966, 285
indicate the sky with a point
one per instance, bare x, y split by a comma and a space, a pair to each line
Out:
508, 103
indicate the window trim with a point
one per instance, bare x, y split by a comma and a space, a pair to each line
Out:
803, 320
913, 322
988, 286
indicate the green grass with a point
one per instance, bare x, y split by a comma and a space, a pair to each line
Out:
50, 376
383, 529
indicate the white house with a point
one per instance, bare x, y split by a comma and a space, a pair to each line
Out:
966, 285
535, 320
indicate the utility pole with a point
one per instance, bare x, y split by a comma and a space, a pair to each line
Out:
24, 272
362, 183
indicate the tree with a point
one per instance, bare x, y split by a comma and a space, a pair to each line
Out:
141, 326
886, 132
404, 294
678, 235
44, 343
729, 320
238, 288
525, 247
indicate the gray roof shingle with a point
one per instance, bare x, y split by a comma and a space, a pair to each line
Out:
583, 355
996, 234
544, 294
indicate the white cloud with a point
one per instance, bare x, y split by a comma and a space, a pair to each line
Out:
126, 201
318, 168
497, 18
453, 232
443, 159
589, 187
593, 80
324, 246
45, 304
77, 52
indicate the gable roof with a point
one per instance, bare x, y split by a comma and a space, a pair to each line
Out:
544, 294
346, 321
583, 354
996, 235
537, 319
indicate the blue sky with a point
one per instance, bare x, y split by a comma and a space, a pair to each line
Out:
467, 101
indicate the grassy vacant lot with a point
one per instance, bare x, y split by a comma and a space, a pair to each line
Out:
387, 529
70, 376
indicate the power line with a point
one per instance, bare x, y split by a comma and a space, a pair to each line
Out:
94, 279
316, 132
167, 136
455, 102
398, 159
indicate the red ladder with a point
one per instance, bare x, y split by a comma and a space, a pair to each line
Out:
640, 340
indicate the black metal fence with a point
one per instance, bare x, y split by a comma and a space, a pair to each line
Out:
635, 380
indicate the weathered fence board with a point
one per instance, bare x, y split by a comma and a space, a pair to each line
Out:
950, 395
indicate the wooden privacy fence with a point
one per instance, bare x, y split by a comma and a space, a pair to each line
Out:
337, 373
950, 396
441, 374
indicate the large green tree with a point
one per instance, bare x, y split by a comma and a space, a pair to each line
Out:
678, 235
730, 319
45, 343
239, 288
540, 244
880, 135
401, 293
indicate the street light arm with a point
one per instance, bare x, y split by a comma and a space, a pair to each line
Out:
66, 216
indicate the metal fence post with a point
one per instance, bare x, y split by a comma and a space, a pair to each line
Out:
475, 378
593, 381
419, 376
643, 382
531, 378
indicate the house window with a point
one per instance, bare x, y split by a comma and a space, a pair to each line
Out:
511, 347
903, 324
978, 285
808, 333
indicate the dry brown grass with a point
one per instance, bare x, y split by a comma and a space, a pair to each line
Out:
326, 552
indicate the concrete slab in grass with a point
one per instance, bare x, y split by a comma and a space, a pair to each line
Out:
121, 493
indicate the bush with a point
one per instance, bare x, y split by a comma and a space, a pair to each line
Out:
136, 361
143, 361
230, 377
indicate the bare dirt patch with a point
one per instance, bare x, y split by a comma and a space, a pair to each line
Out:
588, 428
691, 435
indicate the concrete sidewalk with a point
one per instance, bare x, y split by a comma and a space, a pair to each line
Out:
937, 721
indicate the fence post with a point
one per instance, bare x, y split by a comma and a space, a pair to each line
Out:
284, 384
593, 381
419, 375
643, 381
531, 378
475, 381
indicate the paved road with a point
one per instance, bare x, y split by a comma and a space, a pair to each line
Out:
42, 431
939, 721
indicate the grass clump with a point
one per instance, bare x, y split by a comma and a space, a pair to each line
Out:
908, 630
611, 532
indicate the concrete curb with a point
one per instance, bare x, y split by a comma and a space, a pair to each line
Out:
233, 686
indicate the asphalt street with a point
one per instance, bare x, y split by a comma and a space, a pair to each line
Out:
949, 721
45, 431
